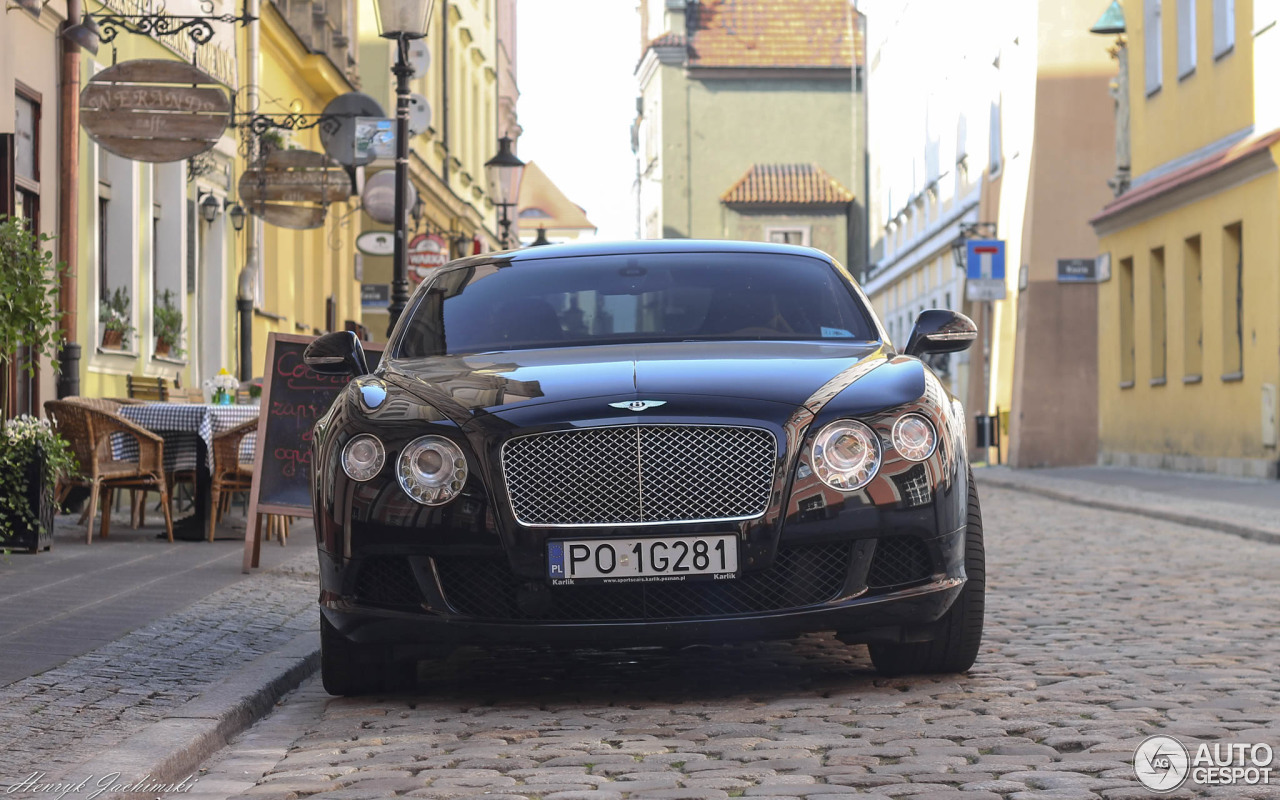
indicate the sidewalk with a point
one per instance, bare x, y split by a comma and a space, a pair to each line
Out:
99, 642
1240, 506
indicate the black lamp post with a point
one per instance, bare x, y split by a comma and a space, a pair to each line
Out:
401, 20
504, 173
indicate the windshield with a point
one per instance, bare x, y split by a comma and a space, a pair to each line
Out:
591, 300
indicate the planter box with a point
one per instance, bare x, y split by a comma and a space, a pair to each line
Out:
28, 539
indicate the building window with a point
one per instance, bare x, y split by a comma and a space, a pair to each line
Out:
1186, 37
1224, 27
1159, 330
104, 249
1232, 302
1192, 320
1126, 322
1153, 45
797, 235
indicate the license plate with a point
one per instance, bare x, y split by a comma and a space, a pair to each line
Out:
672, 558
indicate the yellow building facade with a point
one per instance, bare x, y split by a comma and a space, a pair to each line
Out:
1189, 335
306, 281
138, 233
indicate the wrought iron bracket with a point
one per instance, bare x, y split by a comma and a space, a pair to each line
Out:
199, 29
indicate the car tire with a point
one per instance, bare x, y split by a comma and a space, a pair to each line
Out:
958, 634
349, 669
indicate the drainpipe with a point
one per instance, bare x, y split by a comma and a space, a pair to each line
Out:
246, 284
69, 205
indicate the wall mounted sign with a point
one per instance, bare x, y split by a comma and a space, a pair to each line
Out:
376, 243
1077, 270
293, 188
375, 295
154, 110
375, 138
426, 253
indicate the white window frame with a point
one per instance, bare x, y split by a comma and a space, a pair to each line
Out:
995, 145
1186, 38
1153, 46
1224, 27
803, 230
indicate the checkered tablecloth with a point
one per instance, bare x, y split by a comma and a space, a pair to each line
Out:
182, 425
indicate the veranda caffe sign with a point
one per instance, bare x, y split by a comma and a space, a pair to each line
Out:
293, 188
426, 253
154, 110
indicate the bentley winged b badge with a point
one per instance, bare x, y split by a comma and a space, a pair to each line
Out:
639, 405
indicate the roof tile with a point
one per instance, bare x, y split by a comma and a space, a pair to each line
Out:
771, 33
787, 184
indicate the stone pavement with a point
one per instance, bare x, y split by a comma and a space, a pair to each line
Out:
1102, 628
1241, 506
75, 597
97, 641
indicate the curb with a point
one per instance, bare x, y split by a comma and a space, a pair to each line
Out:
173, 748
1155, 512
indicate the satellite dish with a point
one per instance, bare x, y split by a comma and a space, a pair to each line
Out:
419, 57
338, 133
419, 114
379, 197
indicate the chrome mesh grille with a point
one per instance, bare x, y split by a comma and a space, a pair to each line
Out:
637, 474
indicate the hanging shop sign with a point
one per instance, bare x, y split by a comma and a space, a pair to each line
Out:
154, 110
426, 253
293, 188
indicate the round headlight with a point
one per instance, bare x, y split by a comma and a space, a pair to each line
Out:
432, 470
363, 457
846, 455
914, 437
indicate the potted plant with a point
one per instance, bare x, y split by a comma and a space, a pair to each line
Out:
32, 458
168, 326
115, 311
31, 454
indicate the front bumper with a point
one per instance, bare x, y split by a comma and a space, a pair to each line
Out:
887, 589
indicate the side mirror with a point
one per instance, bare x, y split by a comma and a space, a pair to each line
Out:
337, 353
941, 331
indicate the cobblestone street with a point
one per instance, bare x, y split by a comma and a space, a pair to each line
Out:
1102, 628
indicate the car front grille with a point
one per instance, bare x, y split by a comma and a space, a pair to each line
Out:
639, 474
800, 576
899, 560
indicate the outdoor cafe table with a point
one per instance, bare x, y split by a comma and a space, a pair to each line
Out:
188, 430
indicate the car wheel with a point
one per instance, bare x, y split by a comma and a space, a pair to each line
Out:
350, 669
959, 632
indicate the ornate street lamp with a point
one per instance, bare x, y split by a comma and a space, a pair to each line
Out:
504, 173
401, 20
236, 213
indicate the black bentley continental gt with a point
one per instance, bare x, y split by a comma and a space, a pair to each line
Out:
640, 443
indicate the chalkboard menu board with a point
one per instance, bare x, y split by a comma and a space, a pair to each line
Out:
293, 398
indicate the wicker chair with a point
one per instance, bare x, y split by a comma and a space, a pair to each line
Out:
88, 430
228, 474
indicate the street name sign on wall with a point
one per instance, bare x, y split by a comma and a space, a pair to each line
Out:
293, 188
1077, 270
293, 398
984, 268
154, 110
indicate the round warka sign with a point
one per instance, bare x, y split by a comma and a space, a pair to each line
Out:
154, 110
426, 253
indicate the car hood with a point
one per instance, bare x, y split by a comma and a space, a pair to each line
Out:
781, 372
